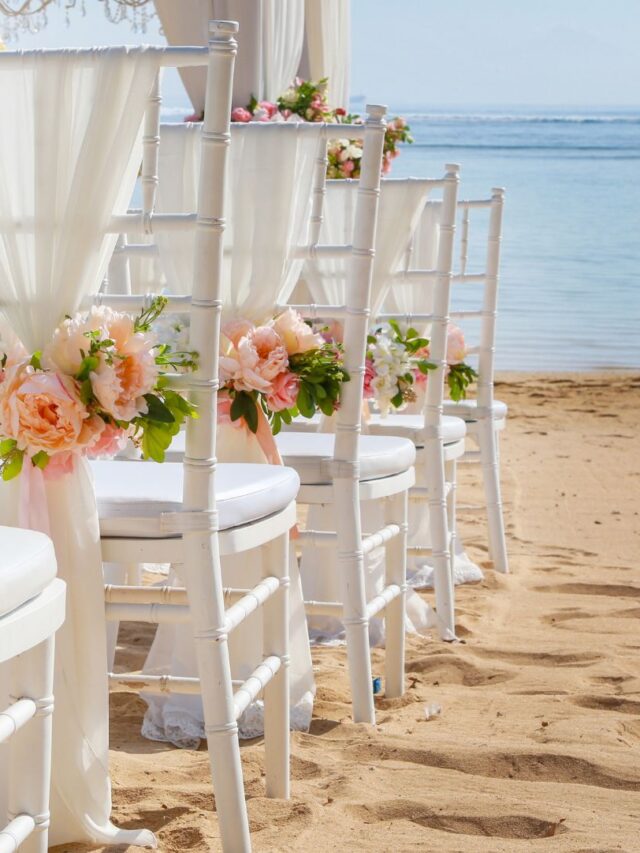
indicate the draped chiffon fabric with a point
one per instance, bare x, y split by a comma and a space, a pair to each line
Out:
69, 156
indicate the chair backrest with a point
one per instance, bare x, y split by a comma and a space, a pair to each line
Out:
478, 315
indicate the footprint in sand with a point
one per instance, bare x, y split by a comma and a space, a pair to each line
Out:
609, 589
547, 767
607, 703
451, 669
502, 826
540, 658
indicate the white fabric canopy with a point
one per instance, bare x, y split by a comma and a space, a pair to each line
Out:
68, 161
269, 43
268, 213
283, 34
328, 46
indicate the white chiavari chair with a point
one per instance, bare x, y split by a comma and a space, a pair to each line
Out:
32, 604
180, 513
484, 415
382, 459
345, 469
438, 440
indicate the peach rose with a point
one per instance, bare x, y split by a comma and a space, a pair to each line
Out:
259, 356
42, 411
64, 353
236, 329
456, 347
284, 392
295, 333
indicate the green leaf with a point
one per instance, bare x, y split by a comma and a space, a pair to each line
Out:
13, 465
35, 360
157, 410
7, 445
40, 460
305, 401
156, 438
397, 400
88, 364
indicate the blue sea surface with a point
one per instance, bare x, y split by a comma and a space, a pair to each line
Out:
570, 277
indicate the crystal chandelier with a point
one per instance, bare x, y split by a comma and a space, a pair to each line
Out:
31, 15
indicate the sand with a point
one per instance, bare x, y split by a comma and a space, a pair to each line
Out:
537, 746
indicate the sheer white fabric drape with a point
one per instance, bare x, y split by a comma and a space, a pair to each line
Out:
328, 37
269, 205
283, 35
68, 161
401, 203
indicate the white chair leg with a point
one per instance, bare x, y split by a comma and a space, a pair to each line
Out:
114, 573
204, 590
30, 748
356, 622
396, 511
451, 474
443, 581
493, 499
276, 693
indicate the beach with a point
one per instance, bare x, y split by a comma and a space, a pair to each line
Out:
537, 743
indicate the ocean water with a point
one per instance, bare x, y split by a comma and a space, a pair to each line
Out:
570, 276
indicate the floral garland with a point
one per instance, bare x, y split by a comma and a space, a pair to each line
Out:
306, 100
99, 382
279, 370
397, 366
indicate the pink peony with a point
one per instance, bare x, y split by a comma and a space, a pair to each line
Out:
284, 392
456, 347
240, 114
369, 376
59, 465
110, 442
295, 333
42, 411
122, 378
236, 329
270, 108
259, 356
348, 166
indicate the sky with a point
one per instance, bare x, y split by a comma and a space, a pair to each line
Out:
456, 53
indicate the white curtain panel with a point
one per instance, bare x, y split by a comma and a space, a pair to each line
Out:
282, 39
401, 203
69, 155
269, 191
328, 45
422, 255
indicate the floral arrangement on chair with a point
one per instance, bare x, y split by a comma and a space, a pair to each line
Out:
99, 382
306, 100
397, 366
277, 371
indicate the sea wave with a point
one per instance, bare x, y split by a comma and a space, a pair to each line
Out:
513, 118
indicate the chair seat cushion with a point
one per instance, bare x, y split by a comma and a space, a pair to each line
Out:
311, 454
412, 426
27, 566
467, 409
132, 496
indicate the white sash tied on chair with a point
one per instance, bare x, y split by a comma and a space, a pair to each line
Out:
269, 202
68, 161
